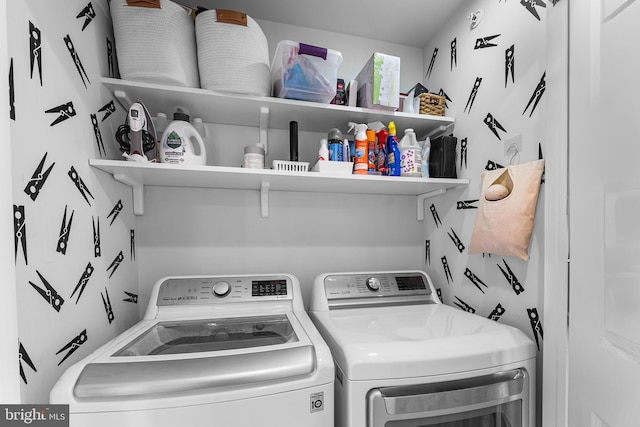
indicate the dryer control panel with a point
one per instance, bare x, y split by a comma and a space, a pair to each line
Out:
213, 290
384, 288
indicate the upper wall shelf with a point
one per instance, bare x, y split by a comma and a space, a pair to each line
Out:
215, 107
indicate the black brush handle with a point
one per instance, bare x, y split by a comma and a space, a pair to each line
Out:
293, 141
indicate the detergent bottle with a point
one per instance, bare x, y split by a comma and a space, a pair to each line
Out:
393, 154
410, 155
181, 144
361, 146
381, 156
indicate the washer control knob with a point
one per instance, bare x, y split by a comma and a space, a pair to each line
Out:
221, 289
373, 283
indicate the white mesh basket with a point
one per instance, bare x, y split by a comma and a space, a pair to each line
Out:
155, 45
232, 58
289, 166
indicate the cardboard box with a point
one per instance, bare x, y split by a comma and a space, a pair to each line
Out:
379, 83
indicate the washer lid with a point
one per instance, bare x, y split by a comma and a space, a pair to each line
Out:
420, 340
192, 355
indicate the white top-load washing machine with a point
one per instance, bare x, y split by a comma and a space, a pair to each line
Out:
211, 351
404, 359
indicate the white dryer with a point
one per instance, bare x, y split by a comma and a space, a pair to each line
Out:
226, 350
404, 359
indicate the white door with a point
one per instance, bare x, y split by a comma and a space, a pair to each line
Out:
604, 213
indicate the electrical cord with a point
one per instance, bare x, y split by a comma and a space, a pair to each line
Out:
122, 136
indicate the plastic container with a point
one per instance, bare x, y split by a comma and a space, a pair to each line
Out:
181, 144
323, 153
410, 154
304, 72
334, 138
253, 157
393, 153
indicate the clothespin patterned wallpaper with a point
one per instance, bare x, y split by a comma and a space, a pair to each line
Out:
74, 227
489, 63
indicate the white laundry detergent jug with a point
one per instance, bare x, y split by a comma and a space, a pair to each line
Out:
181, 144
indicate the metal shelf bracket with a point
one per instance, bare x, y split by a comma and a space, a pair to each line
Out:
422, 197
137, 191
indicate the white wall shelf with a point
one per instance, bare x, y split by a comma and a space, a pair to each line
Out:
139, 175
215, 107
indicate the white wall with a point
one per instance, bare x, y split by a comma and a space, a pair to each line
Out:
195, 231
513, 25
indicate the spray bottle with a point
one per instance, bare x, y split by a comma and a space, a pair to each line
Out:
361, 157
323, 153
393, 154
381, 158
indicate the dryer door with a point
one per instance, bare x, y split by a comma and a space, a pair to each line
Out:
498, 400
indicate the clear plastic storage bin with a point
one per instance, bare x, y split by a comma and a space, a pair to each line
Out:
305, 72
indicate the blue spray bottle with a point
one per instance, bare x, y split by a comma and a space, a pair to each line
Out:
393, 153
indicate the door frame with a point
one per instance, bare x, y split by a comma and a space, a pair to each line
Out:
556, 223
9, 364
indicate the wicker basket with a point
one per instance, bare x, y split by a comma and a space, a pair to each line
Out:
431, 104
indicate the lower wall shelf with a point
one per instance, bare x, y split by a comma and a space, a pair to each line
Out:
138, 175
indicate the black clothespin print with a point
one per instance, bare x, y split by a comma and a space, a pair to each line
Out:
434, 214
107, 305
491, 166
474, 279
463, 152
484, 42
80, 185
466, 204
530, 5
537, 94
540, 157
433, 61
73, 345
49, 294
117, 208
472, 95
456, 240
65, 232
35, 53
442, 93
497, 312
82, 283
439, 294
38, 178
427, 252
464, 306
108, 109
98, 135
133, 245
133, 298
554, 2
454, 52
494, 125
511, 278
23, 356
110, 57
12, 95
509, 64
96, 237
76, 60
115, 263
19, 232
447, 270
88, 13
65, 111
536, 326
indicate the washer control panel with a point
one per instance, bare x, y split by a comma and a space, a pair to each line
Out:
377, 285
213, 290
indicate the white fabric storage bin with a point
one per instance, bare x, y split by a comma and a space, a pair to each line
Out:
155, 45
232, 57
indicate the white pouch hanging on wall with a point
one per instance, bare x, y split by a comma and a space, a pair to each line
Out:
506, 210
